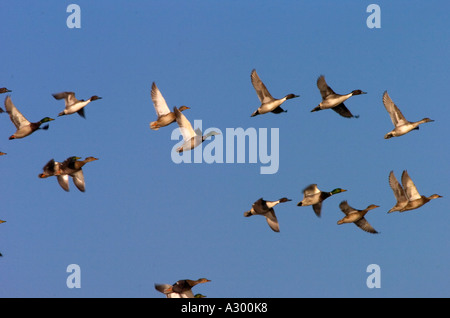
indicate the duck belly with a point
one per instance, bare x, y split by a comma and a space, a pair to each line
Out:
404, 129
268, 107
23, 132
75, 107
333, 101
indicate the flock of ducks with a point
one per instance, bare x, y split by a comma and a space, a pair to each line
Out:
406, 194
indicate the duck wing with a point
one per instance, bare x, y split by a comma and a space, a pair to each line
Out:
185, 126
398, 190
364, 225
278, 110
271, 219
69, 98
317, 208
396, 115
261, 89
78, 180
63, 181
342, 110
324, 89
49, 167
159, 102
260, 206
346, 208
310, 190
163, 287
410, 187
14, 114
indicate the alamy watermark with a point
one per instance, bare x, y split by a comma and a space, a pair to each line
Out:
74, 279
374, 279
239, 144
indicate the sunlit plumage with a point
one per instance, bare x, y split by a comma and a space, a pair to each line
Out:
73, 105
265, 208
313, 196
164, 116
407, 196
355, 216
23, 126
192, 138
401, 125
334, 101
268, 103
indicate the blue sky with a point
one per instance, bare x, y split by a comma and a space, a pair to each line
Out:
145, 219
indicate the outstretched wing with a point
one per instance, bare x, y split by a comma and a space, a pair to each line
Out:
342, 110
159, 102
16, 117
399, 192
410, 187
63, 181
261, 89
271, 219
364, 225
260, 206
346, 208
78, 180
69, 98
396, 115
310, 190
185, 126
324, 89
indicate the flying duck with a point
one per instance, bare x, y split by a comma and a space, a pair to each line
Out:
357, 216
313, 196
265, 208
23, 126
408, 198
73, 168
192, 138
402, 126
268, 103
2, 153
181, 289
4, 90
332, 100
164, 116
73, 105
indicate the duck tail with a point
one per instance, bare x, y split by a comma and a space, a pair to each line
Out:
248, 213
317, 108
154, 125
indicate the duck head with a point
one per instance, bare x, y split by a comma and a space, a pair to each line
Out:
372, 206
183, 108
282, 200
358, 92
192, 283
45, 120
290, 96
89, 159
338, 190
95, 97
